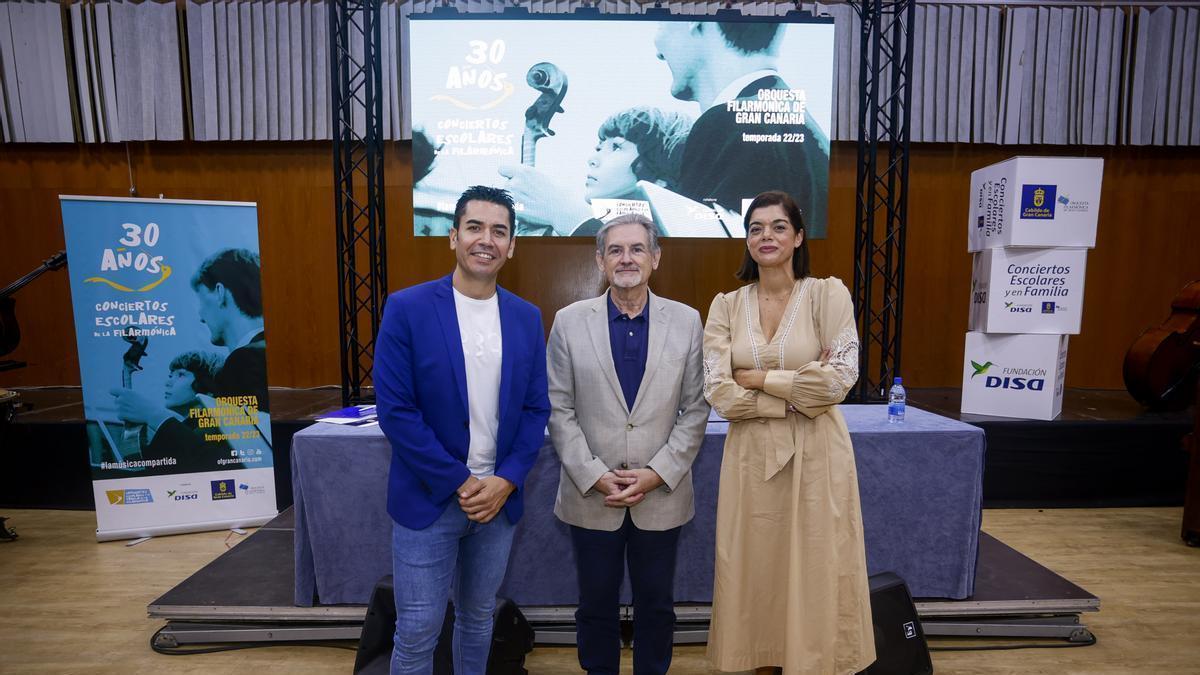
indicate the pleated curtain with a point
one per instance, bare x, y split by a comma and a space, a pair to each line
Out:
258, 70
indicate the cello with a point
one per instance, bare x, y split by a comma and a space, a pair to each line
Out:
133, 436
551, 84
1160, 365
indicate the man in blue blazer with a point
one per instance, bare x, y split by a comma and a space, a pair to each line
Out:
460, 384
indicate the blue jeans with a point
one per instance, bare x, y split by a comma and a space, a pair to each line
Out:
426, 564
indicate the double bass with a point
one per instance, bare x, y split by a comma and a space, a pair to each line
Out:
1161, 365
1162, 370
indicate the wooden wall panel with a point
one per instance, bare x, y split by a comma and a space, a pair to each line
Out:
1148, 247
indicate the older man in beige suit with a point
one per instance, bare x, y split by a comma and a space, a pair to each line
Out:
627, 417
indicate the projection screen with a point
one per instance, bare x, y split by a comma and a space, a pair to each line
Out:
682, 119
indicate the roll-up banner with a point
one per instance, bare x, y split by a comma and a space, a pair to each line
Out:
172, 356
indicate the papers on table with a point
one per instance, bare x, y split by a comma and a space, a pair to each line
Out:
356, 415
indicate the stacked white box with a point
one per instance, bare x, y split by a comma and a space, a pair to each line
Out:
1028, 290
1014, 375
1030, 224
1035, 201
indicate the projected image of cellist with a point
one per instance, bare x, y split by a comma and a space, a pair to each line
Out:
122, 439
172, 431
635, 147
228, 296
545, 109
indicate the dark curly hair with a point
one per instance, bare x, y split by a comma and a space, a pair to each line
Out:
202, 365
659, 137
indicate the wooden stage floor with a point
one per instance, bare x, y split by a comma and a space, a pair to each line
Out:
72, 605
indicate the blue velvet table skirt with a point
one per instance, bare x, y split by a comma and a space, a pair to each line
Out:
921, 484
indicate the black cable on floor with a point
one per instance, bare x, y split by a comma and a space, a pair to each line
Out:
185, 651
1025, 645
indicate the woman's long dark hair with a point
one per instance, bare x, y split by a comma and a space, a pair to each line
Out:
749, 269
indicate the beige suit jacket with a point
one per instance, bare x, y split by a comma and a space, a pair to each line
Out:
593, 430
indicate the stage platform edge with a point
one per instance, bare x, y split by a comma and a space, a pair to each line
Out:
246, 594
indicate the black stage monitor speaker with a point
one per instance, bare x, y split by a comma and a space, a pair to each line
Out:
900, 647
375, 644
512, 637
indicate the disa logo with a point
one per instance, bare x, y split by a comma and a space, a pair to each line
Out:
1032, 384
131, 266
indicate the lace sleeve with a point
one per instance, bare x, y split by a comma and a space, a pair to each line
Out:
843, 360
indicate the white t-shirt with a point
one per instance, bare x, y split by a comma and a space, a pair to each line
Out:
479, 326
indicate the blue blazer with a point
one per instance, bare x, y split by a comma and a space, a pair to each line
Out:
421, 397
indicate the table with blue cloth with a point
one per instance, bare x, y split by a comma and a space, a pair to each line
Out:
921, 484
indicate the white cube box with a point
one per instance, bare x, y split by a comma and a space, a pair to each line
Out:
1014, 375
1028, 290
1035, 201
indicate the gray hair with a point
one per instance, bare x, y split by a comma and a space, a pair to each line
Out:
627, 219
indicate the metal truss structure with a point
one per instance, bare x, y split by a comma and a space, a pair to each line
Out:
881, 214
356, 86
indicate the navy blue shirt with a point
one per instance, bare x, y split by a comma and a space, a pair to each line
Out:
630, 340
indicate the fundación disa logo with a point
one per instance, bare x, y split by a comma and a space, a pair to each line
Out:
1009, 382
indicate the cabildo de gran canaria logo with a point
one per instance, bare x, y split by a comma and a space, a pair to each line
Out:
1032, 379
131, 266
223, 489
1037, 201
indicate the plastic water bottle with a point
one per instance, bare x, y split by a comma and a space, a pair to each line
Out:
896, 398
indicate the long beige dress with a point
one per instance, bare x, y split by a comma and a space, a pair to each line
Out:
791, 573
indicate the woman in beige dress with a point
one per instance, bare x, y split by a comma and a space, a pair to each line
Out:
790, 585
